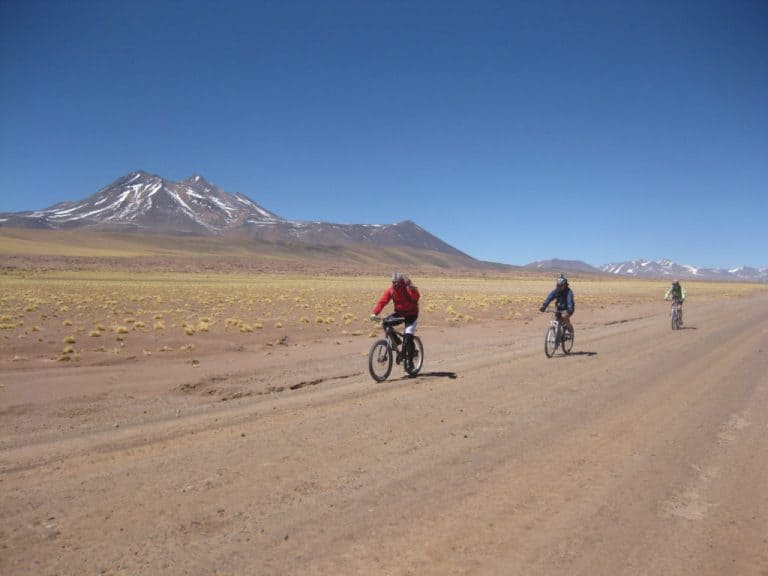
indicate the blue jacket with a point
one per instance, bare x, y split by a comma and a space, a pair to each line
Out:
564, 300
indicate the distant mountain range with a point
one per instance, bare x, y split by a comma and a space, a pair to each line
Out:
669, 269
556, 265
660, 269
142, 202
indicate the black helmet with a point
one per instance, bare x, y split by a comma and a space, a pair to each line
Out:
562, 281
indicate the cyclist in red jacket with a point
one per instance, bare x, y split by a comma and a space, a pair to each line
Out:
406, 298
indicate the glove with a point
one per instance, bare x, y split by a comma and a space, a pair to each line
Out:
542, 308
372, 317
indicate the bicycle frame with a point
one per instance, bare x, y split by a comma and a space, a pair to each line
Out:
557, 322
394, 337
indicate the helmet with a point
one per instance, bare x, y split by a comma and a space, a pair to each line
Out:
562, 281
398, 278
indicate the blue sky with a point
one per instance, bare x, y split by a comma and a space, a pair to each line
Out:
515, 131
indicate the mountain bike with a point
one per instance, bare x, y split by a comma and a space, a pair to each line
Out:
676, 314
389, 349
558, 334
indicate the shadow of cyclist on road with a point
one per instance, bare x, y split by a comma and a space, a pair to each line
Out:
451, 375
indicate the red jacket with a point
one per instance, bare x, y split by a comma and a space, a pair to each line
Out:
405, 296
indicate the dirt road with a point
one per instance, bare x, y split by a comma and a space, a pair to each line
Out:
644, 452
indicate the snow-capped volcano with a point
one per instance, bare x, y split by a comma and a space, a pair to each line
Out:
148, 203
142, 201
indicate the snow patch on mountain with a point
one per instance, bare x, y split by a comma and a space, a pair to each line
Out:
665, 268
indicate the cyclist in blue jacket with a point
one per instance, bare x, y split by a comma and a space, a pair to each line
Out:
563, 297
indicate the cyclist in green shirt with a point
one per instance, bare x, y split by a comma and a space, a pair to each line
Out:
677, 294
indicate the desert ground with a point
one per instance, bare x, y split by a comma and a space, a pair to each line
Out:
225, 423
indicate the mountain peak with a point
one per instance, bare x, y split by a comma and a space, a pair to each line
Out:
198, 179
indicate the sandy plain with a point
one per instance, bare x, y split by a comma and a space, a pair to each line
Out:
226, 424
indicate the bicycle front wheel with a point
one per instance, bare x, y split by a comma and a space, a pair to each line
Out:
550, 342
675, 325
418, 357
567, 340
380, 361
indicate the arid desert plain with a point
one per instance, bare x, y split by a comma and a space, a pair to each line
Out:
225, 423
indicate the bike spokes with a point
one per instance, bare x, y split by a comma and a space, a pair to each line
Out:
417, 361
550, 342
567, 343
380, 361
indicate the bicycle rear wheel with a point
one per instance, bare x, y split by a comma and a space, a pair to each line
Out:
568, 334
550, 342
380, 361
418, 357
